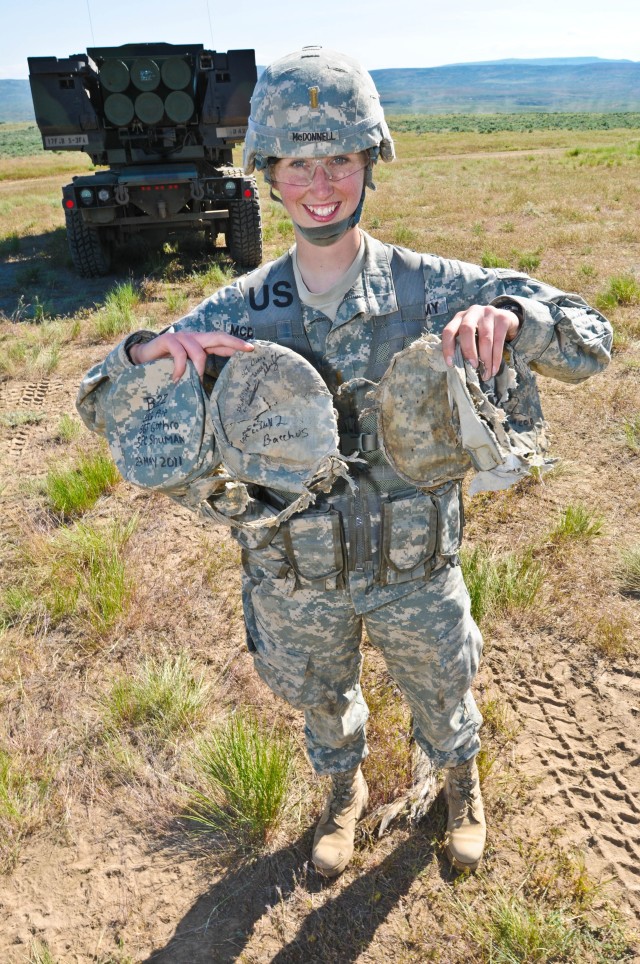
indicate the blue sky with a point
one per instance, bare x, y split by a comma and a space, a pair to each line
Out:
393, 33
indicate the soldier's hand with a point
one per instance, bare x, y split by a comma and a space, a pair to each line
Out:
482, 331
181, 345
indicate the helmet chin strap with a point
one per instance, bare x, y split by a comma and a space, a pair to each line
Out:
326, 234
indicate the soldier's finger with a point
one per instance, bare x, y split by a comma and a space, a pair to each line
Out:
449, 333
192, 349
468, 333
179, 356
487, 334
219, 343
501, 327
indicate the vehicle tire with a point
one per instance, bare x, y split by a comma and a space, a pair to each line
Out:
244, 232
91, 255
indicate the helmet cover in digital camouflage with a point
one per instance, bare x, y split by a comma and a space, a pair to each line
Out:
275, 426
160, 433
436, 422
270, 421
311, 103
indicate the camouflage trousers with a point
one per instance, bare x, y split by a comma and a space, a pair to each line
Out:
306, 647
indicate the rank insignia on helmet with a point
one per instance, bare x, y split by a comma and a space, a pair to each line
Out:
313, 97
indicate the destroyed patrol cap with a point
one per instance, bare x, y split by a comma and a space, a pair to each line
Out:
436, 422
270, 421
160, 433
275, 425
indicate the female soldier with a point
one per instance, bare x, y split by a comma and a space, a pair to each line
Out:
348, 303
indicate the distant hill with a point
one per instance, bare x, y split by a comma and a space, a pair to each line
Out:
512, 87
15, 101
547, 84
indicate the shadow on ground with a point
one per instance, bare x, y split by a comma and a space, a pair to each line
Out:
37, 278
221, 923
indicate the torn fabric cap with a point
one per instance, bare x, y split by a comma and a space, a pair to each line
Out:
436, 422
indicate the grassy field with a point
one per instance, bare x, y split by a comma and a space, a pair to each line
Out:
154, 796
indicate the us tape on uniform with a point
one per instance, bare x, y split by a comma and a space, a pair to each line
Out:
436, 422
275, 426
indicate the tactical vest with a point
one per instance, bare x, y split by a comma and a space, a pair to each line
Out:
383, 506
275, 313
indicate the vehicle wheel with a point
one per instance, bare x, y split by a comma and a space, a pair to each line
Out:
91, 255
244, 232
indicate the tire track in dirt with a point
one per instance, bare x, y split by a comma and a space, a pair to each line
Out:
578, 743
27, 398
14, 448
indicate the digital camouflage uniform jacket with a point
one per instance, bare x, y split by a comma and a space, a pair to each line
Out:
398, 296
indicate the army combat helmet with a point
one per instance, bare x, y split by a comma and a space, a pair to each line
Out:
316, 103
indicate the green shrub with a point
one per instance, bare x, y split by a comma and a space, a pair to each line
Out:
404, 235
117, 316
177, 302
68, 429
510, 930
15, 419
577, 523
528, 262
247, 772
490, 260
73, 490
78, 574
622, 290
500, 585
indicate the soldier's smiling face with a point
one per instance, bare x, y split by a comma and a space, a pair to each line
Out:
334, 191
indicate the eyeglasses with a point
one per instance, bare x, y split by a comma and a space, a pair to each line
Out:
300, 171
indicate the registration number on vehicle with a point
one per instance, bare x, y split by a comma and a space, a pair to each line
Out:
66, 140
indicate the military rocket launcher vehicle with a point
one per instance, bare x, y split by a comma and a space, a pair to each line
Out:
160, 121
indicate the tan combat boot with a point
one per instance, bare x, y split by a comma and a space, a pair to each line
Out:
334, 836
466, 827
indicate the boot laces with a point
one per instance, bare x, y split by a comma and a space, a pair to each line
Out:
464, 784
343, 790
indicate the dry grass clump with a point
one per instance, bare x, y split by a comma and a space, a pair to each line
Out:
628, 571
25, 801
77, 575
388, 766
18, 418
162, 698
34, 350
622, 290
577, 523
614, 637
68, 429
117, 316
40, 954
631, 431
508, 928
